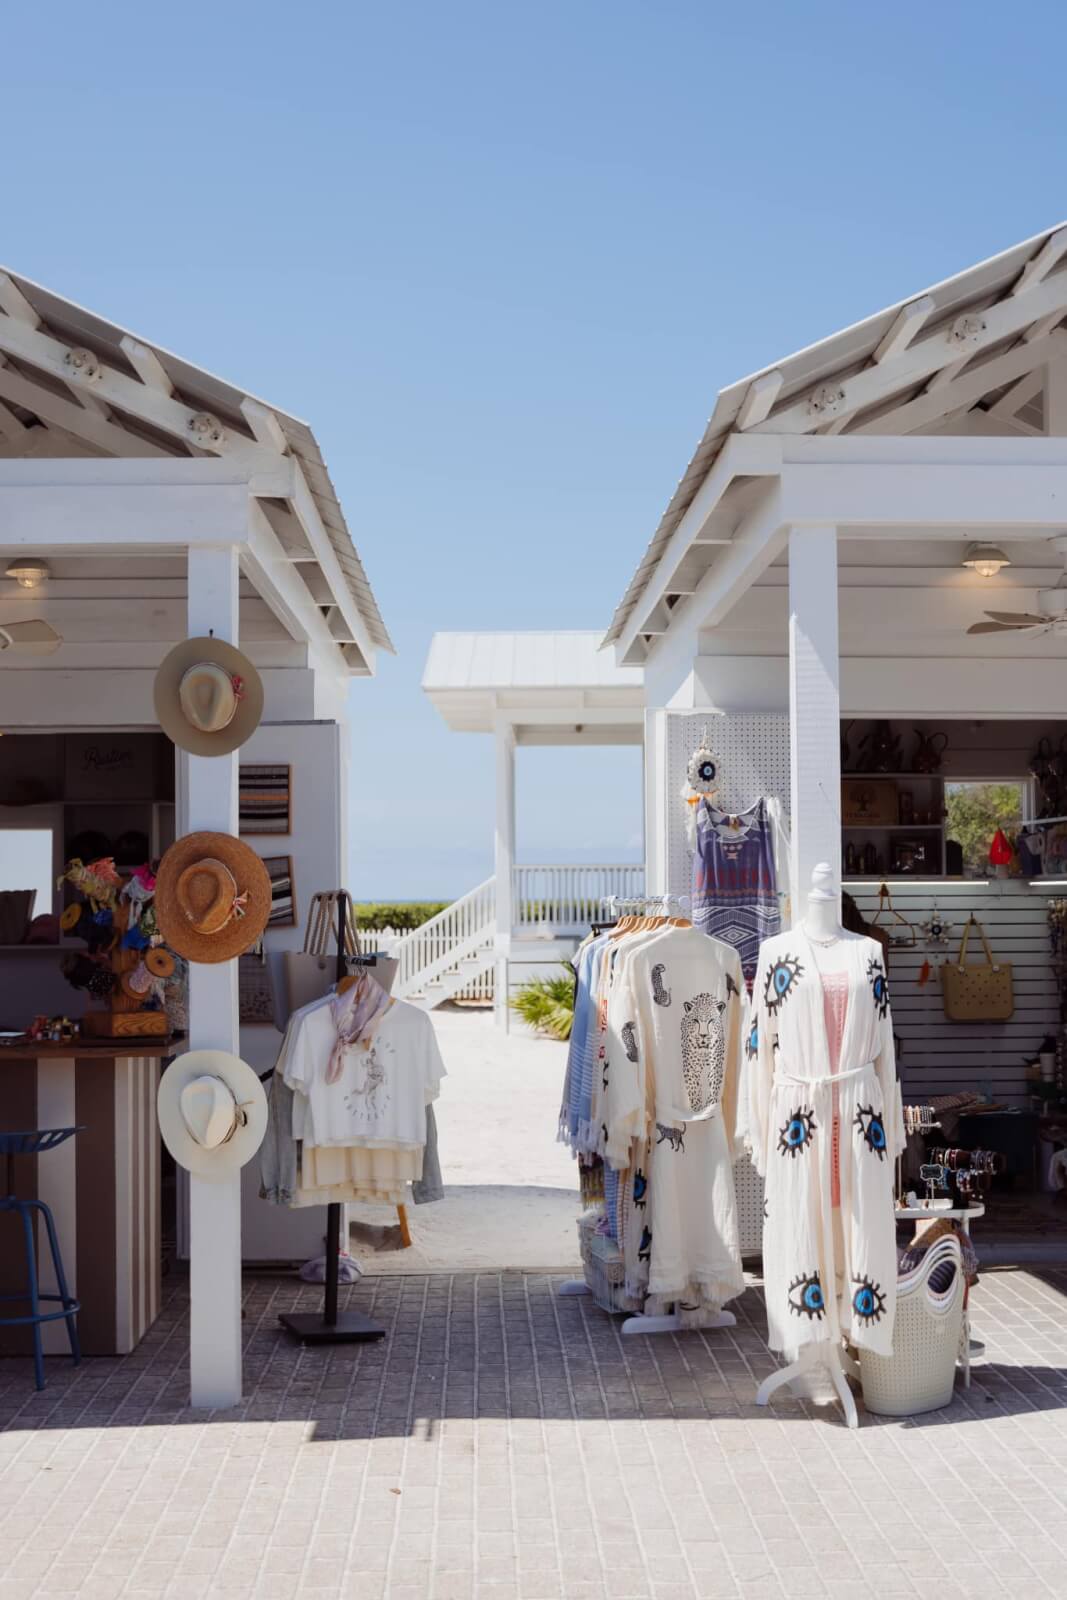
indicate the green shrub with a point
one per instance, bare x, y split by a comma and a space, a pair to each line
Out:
547, 1004
374, 917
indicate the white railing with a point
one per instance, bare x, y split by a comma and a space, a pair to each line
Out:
456, 931
566, 898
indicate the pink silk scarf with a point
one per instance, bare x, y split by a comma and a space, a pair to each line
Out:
355, 1014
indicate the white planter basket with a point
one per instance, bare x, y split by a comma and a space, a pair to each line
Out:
920, 1374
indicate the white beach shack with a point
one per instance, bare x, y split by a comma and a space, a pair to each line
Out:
143, 501
866, 555
523, 689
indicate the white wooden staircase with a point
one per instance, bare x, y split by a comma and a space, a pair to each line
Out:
448, 954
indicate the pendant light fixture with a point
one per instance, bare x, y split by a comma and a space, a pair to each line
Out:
986, 559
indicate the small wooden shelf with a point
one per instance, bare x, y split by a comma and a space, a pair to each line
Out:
892, 827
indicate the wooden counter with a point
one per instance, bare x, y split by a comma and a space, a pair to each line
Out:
103, 1185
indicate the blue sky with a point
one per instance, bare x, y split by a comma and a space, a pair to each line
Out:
502, 259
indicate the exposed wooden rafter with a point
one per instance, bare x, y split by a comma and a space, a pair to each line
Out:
909, 319
759, 397
921, 359
1040, 265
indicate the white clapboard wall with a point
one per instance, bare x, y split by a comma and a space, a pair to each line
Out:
942, 1057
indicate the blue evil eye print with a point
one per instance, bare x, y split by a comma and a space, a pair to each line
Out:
879, 986
781, 981
806, 1298
868, 1301
640, 1188
706, 772
872, 1130
752, 1042
795, 1137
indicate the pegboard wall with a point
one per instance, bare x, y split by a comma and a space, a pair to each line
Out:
753, 754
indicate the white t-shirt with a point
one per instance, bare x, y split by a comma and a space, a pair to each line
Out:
382, 1093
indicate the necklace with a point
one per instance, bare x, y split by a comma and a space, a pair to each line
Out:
824, 944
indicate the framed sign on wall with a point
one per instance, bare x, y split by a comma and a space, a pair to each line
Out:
265, 799
282, 892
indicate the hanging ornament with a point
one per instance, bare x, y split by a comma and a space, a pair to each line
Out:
926, 972
936, 929
702, 781
702, 771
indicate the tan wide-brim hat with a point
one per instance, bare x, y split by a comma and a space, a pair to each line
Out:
208, 697
212, 897
212, 1112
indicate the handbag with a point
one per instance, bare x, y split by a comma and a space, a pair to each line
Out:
311, 972
255, 991
979, 991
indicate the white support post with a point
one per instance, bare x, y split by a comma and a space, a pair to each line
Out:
504, 861
1056, 398
214, 1207
657, 805
814, 707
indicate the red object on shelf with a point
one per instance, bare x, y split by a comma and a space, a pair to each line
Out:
1000, 851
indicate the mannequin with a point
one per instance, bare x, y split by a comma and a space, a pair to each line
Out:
829, 943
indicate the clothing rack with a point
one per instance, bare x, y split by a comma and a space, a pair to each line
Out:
333, 1326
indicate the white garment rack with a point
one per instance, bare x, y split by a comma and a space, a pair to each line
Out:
671, 1323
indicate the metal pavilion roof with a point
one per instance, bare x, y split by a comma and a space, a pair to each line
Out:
818, 376
130, 356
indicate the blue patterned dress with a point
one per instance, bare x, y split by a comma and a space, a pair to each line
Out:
735, 886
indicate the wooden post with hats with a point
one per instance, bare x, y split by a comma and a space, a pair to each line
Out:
210, 795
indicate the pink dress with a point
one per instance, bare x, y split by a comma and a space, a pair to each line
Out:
835, 1010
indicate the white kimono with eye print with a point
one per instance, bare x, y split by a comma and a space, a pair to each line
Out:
827, 1271
675, 1029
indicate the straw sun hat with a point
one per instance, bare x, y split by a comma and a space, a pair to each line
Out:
212, 897
212, 1112
208, 697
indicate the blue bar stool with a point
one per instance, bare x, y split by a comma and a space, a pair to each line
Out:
35, 1144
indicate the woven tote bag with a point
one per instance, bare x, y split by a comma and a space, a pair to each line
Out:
977, 991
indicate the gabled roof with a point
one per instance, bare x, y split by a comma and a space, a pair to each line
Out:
531, 660
552, 687
911, 348
63, 366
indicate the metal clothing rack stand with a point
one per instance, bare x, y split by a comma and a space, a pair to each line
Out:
333, 1326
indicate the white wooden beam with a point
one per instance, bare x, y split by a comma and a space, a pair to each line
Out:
758, 399
278, 582
210, 787
1023, 390
307, 512
925, 356
947, 375
86, 514
39, 349
146, 364
72, 417
265, 426
759, 539
814, 708
1014, 500
10, 426
14, 302
743, 455
1043, 327
909, 319
967, 389
1040, 265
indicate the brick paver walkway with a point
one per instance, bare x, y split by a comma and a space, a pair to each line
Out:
505, 1442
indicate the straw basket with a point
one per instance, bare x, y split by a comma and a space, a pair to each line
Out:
921, 1373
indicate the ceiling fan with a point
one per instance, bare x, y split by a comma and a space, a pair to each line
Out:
1050, 616
34, 637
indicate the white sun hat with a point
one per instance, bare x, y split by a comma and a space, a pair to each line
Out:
212, 1112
